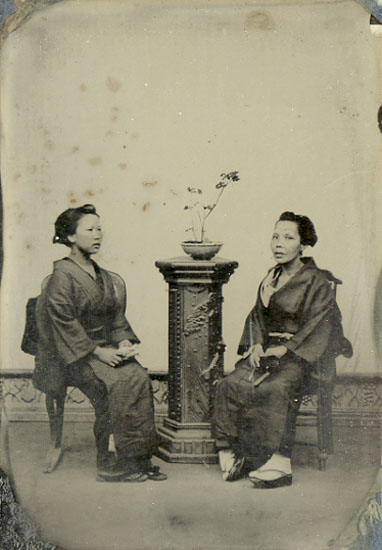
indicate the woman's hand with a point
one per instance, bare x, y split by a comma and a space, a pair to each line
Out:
255, 353
276, 351
110, 356
127, 349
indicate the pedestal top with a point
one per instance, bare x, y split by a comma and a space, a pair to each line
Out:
188, 261
185, 269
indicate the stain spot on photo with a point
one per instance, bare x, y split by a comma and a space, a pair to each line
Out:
95, 161
89, 193
122, 165
17, 175
113, 84
28, 245
83, 87
151, 183
173, 192
109, 133
260, 20
50, 145
145, 206
177, 521
114, 113
75, 149
73, 201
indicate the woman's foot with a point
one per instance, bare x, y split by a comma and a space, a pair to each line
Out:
230, 464
126, 469
135, 477
271, 480
276, 472
153, 472
120, 476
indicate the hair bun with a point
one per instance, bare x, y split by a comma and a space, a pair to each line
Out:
87, 209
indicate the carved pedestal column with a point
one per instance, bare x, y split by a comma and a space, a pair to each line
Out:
195, 355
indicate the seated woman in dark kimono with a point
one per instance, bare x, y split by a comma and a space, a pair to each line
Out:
85, 341
292, 334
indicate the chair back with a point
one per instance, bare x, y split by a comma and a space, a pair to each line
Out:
332, 280
45, 282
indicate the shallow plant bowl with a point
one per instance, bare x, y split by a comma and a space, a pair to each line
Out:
201, 250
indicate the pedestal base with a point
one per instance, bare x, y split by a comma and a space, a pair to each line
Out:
188, 443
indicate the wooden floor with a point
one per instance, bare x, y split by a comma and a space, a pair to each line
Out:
194, 508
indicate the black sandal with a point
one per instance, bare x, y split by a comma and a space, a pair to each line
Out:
136, 477
155, 474
236, 470
126, 476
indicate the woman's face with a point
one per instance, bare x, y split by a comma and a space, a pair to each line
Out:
286, 242
88, 235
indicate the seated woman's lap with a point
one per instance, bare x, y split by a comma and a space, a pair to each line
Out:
286, 379
96, 379
254, 417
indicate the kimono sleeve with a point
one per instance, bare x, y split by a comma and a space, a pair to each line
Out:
120, 326
69, 337
121, 330
311, 341
253, 332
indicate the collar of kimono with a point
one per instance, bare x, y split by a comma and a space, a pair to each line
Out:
68, 265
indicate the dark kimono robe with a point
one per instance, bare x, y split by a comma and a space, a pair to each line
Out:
74, 315
261, 420
305, 307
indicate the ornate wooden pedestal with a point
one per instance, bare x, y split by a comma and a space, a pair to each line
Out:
195, 355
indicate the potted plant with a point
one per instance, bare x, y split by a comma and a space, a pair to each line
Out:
200, 247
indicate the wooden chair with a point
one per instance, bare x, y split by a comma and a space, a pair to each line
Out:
55, 405
323, 413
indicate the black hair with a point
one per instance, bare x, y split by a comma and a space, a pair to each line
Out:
66, 223
305, 227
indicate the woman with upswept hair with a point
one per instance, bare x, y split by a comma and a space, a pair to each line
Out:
292, 334
85, 340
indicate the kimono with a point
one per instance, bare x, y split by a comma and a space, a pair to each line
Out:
74, 314
302, 315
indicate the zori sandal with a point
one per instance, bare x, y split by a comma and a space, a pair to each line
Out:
270, 479
235, 471
155, 474
136, 477
126, 477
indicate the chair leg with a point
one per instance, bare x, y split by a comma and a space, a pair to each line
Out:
322, 460
329, 430
55, 407
324, 429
